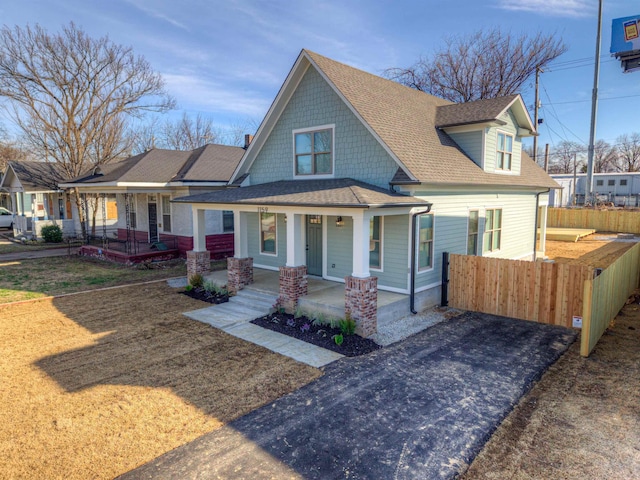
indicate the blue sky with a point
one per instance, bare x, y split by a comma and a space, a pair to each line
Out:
227, 59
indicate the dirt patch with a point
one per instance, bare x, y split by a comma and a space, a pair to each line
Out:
97, 384
590, 250
581, 420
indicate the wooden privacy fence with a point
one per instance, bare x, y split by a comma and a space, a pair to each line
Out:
539, 291
606, 294
622, 221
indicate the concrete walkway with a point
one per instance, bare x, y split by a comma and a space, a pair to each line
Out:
422, 408
234, 317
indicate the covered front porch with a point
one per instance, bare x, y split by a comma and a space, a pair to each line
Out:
324, 240
323, 296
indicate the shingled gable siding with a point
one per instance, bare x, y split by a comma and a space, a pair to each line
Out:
471, 144
451, 218
357, 154
490, 144
253, 232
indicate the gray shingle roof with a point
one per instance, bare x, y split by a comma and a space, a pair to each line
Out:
38, 176
405, 121
472, 112
342, 192
212, 163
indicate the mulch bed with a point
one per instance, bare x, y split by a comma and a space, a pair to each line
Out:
200, 293
321, 335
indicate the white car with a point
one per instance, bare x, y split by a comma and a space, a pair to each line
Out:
6, 218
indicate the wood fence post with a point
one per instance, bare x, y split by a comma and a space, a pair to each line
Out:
586, 318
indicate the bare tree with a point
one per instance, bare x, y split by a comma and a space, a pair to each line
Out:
72, 95
629, 152
189, 133
605, 157
486, 64
10, 151
564, 156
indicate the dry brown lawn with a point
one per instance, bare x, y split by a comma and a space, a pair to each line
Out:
96, 384
581, 420
587, 251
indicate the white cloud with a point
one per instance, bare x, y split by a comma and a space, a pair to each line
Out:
556, 8
157, 14
193, 91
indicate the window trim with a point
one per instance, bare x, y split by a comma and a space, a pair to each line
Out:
485, 231
260, 238
379, 268
166, 214
332, 128
432, 241
477, 233
513, 141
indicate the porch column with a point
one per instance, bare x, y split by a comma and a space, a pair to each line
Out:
240, 266
360, 245
361, 289
293, 276
198, 259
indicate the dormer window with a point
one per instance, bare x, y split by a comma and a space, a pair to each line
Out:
313, 151
504, 151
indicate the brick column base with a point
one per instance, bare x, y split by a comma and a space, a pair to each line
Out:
239, 273
293, 285
198, 263
361, 303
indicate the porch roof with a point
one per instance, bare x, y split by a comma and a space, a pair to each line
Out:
340, 193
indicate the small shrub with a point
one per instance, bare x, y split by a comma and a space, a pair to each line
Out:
338, 339
51, 233
189, 287
209, 286
298, 313
348, 326
196, 280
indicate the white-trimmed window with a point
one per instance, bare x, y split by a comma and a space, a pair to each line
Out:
599, 183
227, 221
504, 151
268, 233
472, 233
623, 182
611, 182
313, 151
425, 242
165, 203
492, 230
375, 243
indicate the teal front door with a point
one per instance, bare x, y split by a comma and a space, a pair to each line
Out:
314, 245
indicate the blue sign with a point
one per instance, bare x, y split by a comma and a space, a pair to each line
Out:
625, 34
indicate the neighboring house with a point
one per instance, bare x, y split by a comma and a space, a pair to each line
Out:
358, 179
145, 184
621, 189
36, 198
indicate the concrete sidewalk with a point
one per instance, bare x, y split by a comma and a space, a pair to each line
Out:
421, 408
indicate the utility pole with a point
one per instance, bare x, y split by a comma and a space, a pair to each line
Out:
546, 158
575, 185
588, 190
535, 117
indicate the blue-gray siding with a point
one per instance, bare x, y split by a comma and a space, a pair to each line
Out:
357, 154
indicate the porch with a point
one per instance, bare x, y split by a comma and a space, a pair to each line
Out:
130, 251
323, 296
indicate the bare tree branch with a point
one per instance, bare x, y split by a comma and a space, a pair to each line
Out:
486, 64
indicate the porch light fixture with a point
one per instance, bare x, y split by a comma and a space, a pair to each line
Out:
339, 222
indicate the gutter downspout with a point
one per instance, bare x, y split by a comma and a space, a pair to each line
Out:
412, 288
535, 225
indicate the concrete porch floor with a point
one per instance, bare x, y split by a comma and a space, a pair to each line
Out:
323, 296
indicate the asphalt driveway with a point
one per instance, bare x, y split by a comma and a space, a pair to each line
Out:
422, 408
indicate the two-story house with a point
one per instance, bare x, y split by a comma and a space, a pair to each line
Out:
357, 179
